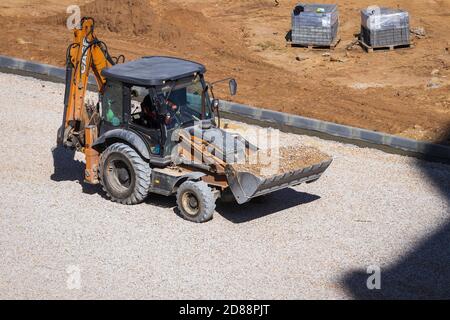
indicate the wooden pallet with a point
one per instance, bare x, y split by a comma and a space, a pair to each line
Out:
371, 49
332, 46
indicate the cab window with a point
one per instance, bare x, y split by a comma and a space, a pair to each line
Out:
112, 103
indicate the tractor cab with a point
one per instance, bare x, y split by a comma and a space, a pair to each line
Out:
152, 97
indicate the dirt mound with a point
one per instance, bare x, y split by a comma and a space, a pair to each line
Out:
132, 17
147, 18
126, 17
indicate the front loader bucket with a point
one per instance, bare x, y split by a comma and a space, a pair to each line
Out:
246, 185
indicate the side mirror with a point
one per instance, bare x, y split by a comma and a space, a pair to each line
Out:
215, 104
233, 87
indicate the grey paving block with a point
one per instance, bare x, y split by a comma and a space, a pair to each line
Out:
273, 116
317, 24
370, 136
237, 108
339, 130
403, 143
304, 123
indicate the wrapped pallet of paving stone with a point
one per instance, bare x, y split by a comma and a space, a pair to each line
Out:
315, 24
384, 27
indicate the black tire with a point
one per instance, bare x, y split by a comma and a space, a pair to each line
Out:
124, 175
196, 201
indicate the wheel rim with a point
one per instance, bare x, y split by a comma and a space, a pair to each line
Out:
190, 203
120, 174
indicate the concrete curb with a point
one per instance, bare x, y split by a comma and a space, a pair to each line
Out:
42, 69
287, 122
337, 130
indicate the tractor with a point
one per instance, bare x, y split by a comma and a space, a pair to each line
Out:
156, 130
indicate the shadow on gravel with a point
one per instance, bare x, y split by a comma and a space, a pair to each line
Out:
422, 273
68, 169
160, 201
264, 206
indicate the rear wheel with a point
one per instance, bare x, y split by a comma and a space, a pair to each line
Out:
124, 175
196, 201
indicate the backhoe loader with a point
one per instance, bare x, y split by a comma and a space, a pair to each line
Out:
182, 151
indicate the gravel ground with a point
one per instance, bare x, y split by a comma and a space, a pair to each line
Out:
313, 241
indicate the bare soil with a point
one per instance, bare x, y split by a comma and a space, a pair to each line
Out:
288, 159
403, 92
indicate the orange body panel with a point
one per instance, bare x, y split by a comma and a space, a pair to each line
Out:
92, 156
86, 54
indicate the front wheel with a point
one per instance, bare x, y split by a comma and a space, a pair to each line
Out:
196, 201
124, 175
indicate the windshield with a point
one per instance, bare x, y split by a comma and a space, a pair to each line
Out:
184, 104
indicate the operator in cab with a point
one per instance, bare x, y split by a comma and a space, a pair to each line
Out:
149, 116
149, 113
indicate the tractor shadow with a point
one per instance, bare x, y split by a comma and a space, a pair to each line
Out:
255, 209
68, 169
264, 206
424, 271
161, 201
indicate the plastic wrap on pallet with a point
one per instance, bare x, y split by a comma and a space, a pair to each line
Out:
384, 27
314, 24
376, 18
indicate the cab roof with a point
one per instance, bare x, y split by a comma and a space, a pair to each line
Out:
153, 71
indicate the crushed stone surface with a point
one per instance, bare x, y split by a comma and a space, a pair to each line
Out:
60, 238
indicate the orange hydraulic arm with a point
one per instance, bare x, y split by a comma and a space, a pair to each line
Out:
80, 122
86, 53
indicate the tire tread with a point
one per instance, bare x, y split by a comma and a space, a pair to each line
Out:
141, 168
206, 197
